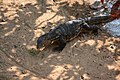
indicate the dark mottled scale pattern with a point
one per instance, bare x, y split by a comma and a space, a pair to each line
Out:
68, 30
97, 19
71, 29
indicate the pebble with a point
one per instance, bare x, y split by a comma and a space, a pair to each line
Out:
15, 46
24, 72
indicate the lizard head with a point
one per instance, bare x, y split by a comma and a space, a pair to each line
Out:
43, 41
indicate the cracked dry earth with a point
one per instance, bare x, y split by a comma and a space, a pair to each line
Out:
84, 58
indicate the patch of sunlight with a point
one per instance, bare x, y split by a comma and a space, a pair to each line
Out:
31, 46
11, 15
35, 78
56, 72
71, 2
34, 47
13, 68
72, 78
30, 30
76, 73
99, 45
69, 66
28, 13
86, 77
118, 50
77, 66
65, 77
21, 76
59, 57
82, 44
23, 2
51, 65
90, 42
110, 67
45, 62
118, 57
5, 28
19, 72
114, 66
61, 71
17, 25
118, 77
11, 56
13, 51
10, 32
90, 1
108, 42
24, 44
3, 23
37, 33
48, 16
52, 55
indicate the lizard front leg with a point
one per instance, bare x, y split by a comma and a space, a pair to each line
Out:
62, 44
91, 28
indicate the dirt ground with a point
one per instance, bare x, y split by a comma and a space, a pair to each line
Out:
84, 58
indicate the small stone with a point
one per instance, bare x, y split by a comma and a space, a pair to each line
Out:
82, 77
24, 72
65, 67
100, 64
75, 46
22, 5
43, 27
15, 46
111, 47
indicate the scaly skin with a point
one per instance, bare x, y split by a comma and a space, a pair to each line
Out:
68, 31
63, 33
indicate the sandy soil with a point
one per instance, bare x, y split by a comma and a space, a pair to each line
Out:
84, 58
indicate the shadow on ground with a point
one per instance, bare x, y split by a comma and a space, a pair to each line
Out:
85, 58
